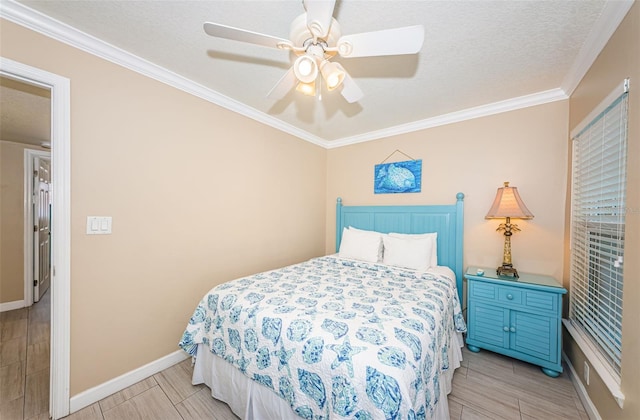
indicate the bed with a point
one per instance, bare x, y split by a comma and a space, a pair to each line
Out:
365, 333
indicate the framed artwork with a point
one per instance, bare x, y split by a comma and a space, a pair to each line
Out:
398, 177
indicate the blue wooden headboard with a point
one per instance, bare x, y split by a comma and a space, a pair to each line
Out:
447, 220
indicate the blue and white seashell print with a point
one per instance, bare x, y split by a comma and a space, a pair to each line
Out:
371, 335
218, 347
263, 379
356, 293
394, 311
419, 415
344, 399
284, 309
427, 316
337, 328
384, 392
227, 302
367, 309
392, 356
241, 324
413, 324
363, 415
307, 303
254, 297
346, 315
299, 329
198, 316
234, 339
250, 340
333, 306
263, 358
312, 350
212, 302
271, 328
234, 314
286, 390
411, 341
276, 301
311, 384
305, 412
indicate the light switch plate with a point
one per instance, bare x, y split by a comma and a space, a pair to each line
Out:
99, 225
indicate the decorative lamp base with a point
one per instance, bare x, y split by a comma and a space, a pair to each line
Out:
507, 270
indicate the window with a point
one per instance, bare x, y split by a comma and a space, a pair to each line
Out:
598, 230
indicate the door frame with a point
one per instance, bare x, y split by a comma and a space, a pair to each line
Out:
60, 224
29, 154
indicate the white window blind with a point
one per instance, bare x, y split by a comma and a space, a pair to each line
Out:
598, 229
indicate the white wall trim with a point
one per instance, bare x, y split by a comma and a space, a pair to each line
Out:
459, 116
589, 407
27, 239
612, 383
10, 306
60, 224
38, 22
611, 17
97, 393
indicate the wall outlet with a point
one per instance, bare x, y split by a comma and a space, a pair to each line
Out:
585, 373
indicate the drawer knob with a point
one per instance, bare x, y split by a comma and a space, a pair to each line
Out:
510, 296
512, 329
505, 329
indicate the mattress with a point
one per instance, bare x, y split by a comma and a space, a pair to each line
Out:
330, 338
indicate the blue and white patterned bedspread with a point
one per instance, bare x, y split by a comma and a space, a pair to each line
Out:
336, 338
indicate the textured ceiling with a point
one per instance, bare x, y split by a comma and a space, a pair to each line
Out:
24, 112
475, 53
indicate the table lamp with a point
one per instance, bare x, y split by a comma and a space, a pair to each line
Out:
508, 204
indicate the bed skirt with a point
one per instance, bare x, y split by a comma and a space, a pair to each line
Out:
250, 400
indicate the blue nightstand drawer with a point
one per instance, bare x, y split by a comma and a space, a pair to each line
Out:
510, 295
525, 299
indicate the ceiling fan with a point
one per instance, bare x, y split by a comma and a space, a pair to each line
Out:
315, 39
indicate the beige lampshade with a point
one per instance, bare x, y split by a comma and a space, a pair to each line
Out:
508, 204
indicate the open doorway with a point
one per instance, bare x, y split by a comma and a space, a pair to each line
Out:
59, 242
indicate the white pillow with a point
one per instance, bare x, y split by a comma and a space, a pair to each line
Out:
360, 245
433, 261
377, 235
412, 253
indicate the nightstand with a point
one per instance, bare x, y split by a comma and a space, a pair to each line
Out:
519, 317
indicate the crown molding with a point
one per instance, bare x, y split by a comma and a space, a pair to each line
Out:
607, 23
45, 25
513, 104
612, 15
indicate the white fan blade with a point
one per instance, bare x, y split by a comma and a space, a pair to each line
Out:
350, 89
319, 16
242, 35
398, 41
284, 85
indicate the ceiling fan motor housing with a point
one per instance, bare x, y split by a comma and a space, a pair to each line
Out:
301, 36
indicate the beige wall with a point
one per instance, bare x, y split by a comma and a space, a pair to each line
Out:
198, 195
619, 59
526, 147
12, 221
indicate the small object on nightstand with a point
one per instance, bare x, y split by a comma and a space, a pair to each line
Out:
480, 272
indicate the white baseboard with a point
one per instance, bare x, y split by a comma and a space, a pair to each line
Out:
591, 409
10, 306
97, 393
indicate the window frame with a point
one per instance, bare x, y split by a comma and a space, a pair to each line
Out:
601, 346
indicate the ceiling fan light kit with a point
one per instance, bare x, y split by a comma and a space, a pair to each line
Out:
315, 38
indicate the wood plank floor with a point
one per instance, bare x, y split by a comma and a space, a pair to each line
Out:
24, 361
487, 386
